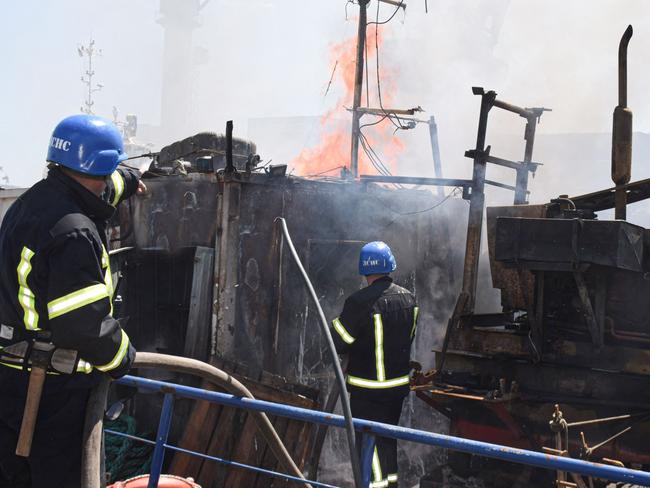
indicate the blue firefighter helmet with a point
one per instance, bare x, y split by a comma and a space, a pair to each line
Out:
376, 258
87, 144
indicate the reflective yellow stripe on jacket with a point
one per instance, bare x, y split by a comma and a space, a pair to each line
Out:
117, 359
379, 347
381, 381
118, 186
374, 384
26, 296
345, 335
77, 299
108, 276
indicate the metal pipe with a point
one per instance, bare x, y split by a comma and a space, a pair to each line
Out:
345, 400
523, 112
622, 132
622, 66
608, 440
414, 180
161, 439
496, 451
638, 337
521, 192
180, 364
246, 466
477, 201
221, 460
358, 87
367, 450
503, 185
605, 419
230, 165
386, 111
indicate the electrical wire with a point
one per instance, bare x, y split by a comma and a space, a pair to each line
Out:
418, 211
375, 161
401, 4
381, 103
373, 156
326, 171
346, 8
376, 156
383, 117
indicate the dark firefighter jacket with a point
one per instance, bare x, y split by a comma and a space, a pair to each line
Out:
376, 328
55, 272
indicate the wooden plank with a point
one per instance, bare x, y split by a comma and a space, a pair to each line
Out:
232, 434
246, 451
215, 446
200, 313
268, 458
306, 437
212, 473
196, 436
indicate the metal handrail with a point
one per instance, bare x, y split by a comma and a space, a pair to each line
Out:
370, 430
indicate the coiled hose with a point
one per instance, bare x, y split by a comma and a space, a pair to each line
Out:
92, 459
345, 400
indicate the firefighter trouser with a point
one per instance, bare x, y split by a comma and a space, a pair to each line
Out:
55, 460
385, 409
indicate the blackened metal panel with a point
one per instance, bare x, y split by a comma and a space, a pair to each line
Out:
178, 211
276, 327
617, 244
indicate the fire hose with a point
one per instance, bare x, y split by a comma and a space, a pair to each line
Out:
92, 459
345, 401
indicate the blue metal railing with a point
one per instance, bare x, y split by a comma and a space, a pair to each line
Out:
370, 431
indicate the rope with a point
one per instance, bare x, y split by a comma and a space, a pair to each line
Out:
126, 458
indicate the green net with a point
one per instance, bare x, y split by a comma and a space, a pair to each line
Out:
125, 457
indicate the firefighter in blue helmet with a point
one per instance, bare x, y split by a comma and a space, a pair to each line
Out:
375, 329
56, 290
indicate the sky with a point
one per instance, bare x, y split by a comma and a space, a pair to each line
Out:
252, 59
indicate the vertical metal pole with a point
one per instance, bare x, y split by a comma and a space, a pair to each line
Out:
161, 439
358, 86
230, 165
476, 202
435, 150
367, 450
522, 173
622, 132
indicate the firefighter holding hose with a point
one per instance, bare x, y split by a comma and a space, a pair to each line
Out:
375, 329
57, 332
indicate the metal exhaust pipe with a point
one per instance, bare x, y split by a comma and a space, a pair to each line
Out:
622, 132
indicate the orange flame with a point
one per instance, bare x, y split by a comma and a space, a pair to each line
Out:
333, 151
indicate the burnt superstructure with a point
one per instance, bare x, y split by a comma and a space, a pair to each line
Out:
564, 366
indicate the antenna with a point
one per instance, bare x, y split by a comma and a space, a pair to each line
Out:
89, 51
